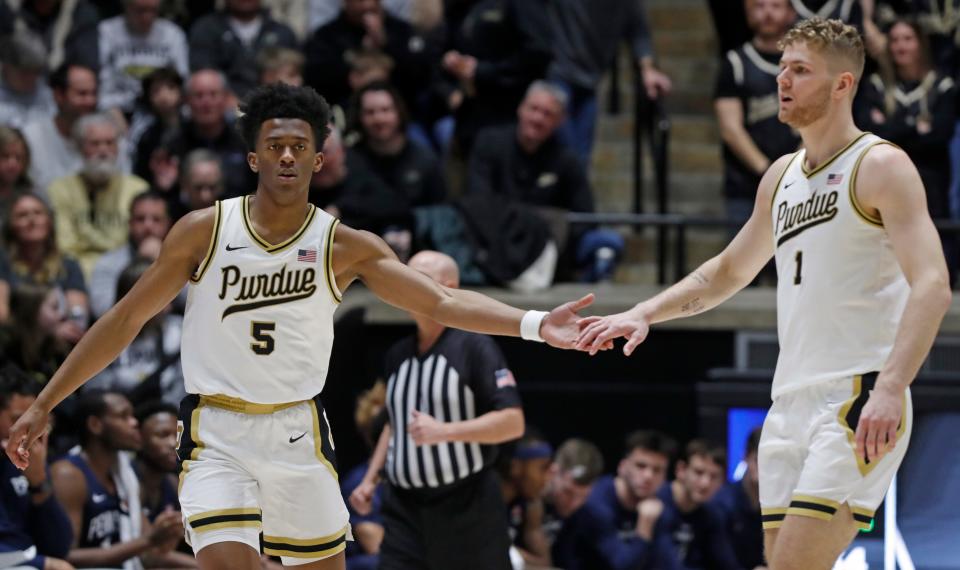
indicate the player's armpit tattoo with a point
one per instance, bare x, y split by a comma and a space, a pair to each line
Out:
693, 306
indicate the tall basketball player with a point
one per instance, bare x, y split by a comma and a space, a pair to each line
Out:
266, 272
862, 290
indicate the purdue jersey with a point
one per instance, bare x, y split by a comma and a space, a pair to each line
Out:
840, 291
259, 319
826, 9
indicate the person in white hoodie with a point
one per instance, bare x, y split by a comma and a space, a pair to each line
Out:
133, 45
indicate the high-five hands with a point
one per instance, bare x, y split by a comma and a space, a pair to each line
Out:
598, 333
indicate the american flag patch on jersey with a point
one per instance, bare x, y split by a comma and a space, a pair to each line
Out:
504, 378
308, 255
834, 179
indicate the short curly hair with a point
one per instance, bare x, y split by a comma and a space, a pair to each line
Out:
281, 101
833, 38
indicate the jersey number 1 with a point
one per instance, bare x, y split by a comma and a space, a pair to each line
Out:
799, 258
261, 333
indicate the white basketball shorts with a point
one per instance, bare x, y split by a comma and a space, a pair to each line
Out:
249, 468
807, 462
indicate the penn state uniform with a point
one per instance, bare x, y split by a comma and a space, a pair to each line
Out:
255, 446
840, 296
101, 512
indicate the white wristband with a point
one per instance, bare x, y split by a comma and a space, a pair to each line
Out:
530, 325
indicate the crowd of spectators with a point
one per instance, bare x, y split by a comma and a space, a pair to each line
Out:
465, 126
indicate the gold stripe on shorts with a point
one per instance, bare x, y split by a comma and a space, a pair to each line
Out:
238, 405
321, 547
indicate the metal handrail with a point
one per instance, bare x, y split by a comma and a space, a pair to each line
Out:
679, 223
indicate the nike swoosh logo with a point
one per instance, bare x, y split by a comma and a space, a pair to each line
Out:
294, 439
229, 248
787, 185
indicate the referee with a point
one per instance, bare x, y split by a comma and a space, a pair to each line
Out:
451, 399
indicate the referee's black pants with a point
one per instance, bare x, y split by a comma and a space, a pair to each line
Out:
460, 528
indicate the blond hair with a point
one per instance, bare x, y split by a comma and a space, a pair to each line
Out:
832, 38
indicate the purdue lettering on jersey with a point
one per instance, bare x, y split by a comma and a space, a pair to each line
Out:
817, 209
840, 290
259, 318
263, 290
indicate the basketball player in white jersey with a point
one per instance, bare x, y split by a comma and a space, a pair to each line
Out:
266, 273
862, 290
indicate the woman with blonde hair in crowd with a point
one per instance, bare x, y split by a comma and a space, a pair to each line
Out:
14, 163
29, 254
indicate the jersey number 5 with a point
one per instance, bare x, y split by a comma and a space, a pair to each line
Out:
261, 334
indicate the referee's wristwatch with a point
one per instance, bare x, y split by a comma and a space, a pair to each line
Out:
42, 488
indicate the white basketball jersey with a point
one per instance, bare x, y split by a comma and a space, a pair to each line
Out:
259, 318
840, 290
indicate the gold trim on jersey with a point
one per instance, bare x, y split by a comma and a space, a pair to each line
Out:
240, 406
198, 444
321, 547
862, 465
831, 160
226, 518
212, 248
776, 189
264, 244
318, 441
328, 262
852, 188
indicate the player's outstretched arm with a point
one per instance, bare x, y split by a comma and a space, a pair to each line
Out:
364, 256
888, 184
182, 252
712, 283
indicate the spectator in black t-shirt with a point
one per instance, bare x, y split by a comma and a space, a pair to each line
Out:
747, 104
739, 503
363, 25
525, 162
495, 49
411, 171
356, 195
695, 525
208, 127
229, 40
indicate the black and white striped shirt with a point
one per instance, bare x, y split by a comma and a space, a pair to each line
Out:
461, 377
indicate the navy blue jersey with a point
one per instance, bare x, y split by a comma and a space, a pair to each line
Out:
743, 522
699, 537
101, 511
588, 540
24, 524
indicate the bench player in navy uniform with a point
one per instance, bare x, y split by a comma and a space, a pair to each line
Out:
739, 502
266, 273
628, 500
100, 491
34, 529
